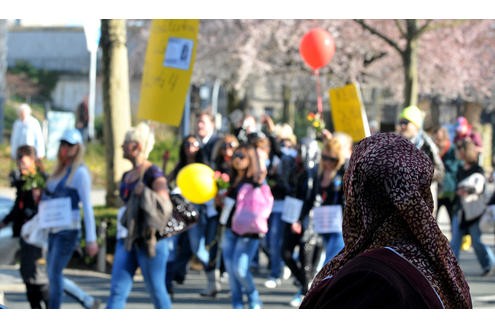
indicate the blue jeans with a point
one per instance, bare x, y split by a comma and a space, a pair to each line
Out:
238, 253
202, 243
333, 243
73, 290
192, 242
197, 238
274, 240
61, 246
153, 270
484, 254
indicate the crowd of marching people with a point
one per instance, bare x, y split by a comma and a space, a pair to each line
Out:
306, 177
296, 186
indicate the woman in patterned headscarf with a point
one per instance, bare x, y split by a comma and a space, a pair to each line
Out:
395, 255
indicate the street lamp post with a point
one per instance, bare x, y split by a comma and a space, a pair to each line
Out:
92, 32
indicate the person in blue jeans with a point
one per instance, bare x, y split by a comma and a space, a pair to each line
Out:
73, 178
153, 270
203, 241
278, 177
328, 191
24, 209
468, 184
152, 260
200, 241
186, 242
238, 251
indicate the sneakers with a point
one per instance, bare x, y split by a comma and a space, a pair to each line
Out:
489, 272
296, 300
286, 275
256, 306
273, 283
96, 304
224, 278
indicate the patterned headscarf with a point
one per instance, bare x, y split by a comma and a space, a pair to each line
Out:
389, 203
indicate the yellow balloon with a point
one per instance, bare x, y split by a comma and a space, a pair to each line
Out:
197, 183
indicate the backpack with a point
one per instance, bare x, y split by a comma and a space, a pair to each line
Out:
253, 207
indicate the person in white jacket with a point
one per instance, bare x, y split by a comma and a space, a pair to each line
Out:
26, 130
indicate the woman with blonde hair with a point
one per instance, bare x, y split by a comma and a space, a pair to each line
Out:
132, 249
71, 178
329, 196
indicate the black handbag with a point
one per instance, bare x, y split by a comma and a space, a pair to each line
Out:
184, 216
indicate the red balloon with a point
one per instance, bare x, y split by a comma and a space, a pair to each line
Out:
317, 48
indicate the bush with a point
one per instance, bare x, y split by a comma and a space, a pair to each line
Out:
104, 216
156, 156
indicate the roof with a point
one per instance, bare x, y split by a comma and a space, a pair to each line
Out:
52, 48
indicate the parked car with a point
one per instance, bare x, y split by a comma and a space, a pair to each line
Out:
9, 246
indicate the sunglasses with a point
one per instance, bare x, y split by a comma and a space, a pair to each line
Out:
191, 143
329, 158
65, 143
403, 122
228, 145
238, 155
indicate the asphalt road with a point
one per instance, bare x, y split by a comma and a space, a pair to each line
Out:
187, 295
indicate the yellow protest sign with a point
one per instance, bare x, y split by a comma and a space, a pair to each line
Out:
168, 66
348, 113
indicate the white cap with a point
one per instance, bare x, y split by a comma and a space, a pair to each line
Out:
72, 136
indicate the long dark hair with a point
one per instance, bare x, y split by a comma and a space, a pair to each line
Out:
250, 151
199, 158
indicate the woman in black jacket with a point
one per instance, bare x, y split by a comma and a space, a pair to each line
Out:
28, 180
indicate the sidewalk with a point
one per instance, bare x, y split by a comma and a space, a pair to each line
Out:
187, 295
97, 195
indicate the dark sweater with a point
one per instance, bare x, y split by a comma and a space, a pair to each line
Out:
376, 279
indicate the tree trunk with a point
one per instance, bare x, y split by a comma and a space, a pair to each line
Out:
288, 106
410, 61
116, 102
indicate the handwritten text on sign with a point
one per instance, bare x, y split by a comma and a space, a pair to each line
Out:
55, 213
168, 66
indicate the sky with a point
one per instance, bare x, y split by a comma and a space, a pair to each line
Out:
57, 11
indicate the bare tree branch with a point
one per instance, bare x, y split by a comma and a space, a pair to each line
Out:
401, 29
373, 31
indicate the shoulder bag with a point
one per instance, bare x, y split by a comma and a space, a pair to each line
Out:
145, 216
33, 234
184, 216
474, 204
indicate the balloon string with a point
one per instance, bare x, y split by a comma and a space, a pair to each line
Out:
318, 92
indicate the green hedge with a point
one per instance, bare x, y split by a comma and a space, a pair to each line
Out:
108, 215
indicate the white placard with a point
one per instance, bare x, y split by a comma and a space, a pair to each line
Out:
327, 218
228, 204
55, 213
178, 53
292, 209
211, 211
